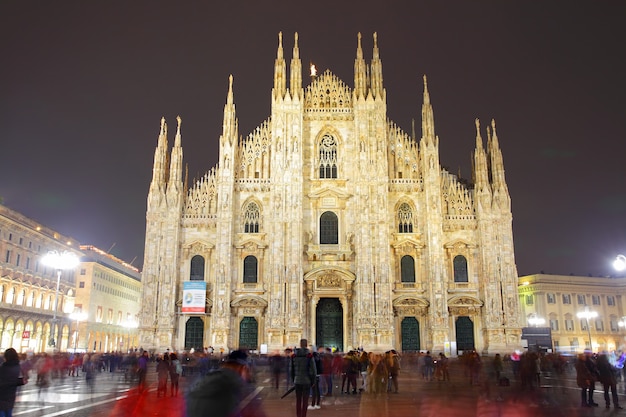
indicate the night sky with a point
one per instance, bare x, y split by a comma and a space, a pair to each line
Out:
84, 84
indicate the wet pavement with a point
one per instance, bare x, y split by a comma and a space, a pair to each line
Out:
111, 395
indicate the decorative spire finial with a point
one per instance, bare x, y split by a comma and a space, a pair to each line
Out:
163, 125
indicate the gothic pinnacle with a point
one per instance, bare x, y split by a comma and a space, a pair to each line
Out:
426, 94
479, 139
163, 126
376, 54
296, 51
230, 98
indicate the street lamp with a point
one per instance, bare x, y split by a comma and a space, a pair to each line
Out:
78, 316
59, 261
587, 314
619, 264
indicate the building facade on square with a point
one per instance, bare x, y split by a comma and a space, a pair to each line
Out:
28, 289
330, 222
558, 299
106, 289
108, 294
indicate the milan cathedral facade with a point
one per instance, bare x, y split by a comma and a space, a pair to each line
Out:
331, 223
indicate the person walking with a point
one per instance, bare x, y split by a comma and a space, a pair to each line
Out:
393, 366
364, 363
276, 362
303, 372
11, 377
593, 369
176, 369
497, 367
142, 370
327, 370
583, 379
443, 368
429, 367
315, 389
609, 380
163, 370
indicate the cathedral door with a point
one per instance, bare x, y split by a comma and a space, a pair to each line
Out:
329, 323
194, 334
249, 333
464, 333
410, 331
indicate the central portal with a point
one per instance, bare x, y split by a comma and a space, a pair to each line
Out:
329, 323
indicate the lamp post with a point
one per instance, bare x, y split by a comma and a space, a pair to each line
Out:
78, 316
59, 261
587, 314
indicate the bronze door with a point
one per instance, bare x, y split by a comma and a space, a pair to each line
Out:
329, 323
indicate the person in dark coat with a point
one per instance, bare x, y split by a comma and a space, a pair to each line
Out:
226, 392
163, 371
609, 380
304, 373
10, 378
583, 379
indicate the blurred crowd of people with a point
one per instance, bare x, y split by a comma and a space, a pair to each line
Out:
313, 373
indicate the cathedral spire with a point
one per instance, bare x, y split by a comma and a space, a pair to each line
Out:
428, 119
280, 70
295, 84
229, 127
360, 76
481, 169
377, 71
176, 162
497, 163
160, 158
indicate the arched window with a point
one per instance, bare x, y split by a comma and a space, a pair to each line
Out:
328, 157
407, 267
405, 219
460, 269
329, 229
197, 268
251, 218
250, 270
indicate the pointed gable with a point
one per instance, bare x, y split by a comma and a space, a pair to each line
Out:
329, 93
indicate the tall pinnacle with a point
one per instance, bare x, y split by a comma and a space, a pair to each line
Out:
280, 70
377, 71
176, 161
481, 169
160, 159
428, 119
360, 75
229, 127
295, 84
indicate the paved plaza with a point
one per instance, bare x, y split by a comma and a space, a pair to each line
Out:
112, 396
